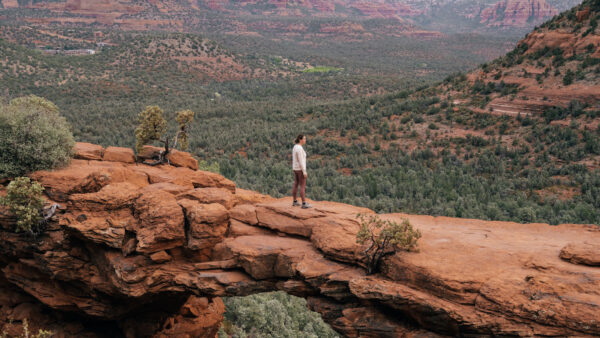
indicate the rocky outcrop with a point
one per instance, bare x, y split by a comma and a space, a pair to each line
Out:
117, 154
175, 157
149, 251
88, 151
570, 43
517, 13
581, 253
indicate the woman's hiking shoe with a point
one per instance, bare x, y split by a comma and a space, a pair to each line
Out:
295, 204
306, 205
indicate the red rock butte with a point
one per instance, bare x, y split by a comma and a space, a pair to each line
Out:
152, 248
517, 13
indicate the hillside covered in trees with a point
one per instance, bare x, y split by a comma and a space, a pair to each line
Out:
440, 150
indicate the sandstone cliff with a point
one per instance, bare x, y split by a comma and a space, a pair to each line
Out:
517, 13
147, 251
369, 9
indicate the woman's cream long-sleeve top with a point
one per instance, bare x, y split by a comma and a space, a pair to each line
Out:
299, 158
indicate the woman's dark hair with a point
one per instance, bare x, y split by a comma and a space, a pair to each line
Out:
298, 138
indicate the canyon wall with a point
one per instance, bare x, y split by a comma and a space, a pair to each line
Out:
517, 13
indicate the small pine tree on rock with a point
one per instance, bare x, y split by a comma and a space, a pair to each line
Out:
384, 237
153, 128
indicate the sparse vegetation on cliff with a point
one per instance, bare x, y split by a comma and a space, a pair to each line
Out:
153, 127
24, 200
33, 136
384, 237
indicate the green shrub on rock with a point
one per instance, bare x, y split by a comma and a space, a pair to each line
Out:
24, 199
209, 166
384, 237
33, 136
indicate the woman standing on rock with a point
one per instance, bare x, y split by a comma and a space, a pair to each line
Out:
299, 168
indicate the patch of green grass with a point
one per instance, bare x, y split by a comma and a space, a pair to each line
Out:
322, 69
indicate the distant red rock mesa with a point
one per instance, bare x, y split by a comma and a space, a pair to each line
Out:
517, 13
371, 9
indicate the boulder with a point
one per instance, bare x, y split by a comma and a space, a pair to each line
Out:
245, 213
166, 174
87, 151
182, 159
198, 317
112, 196
268, 256
335, 236
160, 222
363, 320
279, 215
206, 179
118, 154
106, 228
210, 195
184, 177
149, 152
160, 257
176, 158
581, 253
207, 223
84, 177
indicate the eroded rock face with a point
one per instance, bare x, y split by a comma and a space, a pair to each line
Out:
517, 13
206, 224
151, 249
160, 222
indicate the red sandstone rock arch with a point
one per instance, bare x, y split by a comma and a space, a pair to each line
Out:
129, 237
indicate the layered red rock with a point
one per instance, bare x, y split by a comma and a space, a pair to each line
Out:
175, 157
87, 151
118, 154
207, 224
370, 9
198, 317
517, 13
130, 244
182, 159
160, 222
